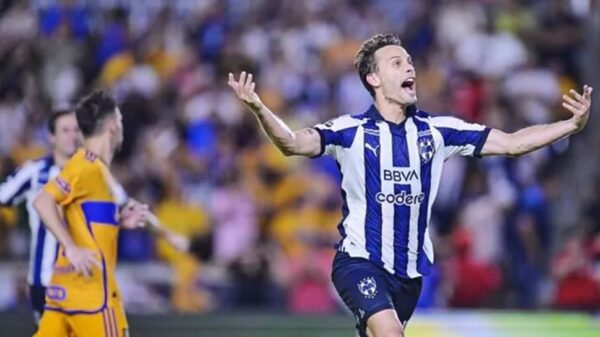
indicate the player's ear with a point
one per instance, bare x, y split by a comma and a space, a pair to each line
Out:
373, 80
111, 124
52, 139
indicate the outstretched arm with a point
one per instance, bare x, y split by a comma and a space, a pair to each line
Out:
136, 215
305, 142
537, 136
177, 241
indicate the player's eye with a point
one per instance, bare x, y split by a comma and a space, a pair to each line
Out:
396, 63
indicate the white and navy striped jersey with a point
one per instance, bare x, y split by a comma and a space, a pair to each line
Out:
24, 184
390, 177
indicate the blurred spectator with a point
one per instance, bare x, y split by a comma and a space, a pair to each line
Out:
235, 230
253, 279
559, 36
577, 287
12, 113
470, 283
490, 53
487, 198
309, 277
190, 221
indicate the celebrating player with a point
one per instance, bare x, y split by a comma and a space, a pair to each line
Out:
391, 160
24, 184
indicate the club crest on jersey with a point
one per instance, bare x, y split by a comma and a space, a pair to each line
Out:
426, 148
368, 287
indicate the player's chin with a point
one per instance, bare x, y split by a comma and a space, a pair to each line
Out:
70, 151
118, 146
409, 100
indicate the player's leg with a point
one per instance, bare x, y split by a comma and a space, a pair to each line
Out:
385, 323
363, 288
37, 298
52, 324
405, 296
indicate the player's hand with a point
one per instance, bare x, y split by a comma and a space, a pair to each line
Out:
83, 260
579, 105
134, 215
244, 89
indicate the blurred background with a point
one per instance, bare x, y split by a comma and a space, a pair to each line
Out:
509, 233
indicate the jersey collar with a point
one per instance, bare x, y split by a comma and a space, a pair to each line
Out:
375, 116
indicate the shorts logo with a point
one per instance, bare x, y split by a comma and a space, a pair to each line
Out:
368, 287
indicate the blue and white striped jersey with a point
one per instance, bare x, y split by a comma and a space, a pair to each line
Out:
24, 185
390, 177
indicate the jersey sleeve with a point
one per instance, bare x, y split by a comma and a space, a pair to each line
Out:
13, 190
67, 186
336, 133
118, 191
460, 137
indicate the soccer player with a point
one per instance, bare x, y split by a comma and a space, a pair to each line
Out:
24, 184
391, 160
82, 298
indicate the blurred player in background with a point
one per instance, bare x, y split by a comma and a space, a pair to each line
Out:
24, 184
83, 298
391, 160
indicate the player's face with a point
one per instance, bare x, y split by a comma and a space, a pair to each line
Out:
395, 75
67, 137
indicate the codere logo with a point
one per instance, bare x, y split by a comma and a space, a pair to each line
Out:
401, 198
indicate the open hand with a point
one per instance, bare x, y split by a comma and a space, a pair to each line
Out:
579, 105
244, 89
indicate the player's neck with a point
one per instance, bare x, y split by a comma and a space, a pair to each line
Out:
102, 147
390, 111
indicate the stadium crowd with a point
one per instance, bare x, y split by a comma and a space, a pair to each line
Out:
266, 224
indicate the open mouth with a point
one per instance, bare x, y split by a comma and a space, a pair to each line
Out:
409, 83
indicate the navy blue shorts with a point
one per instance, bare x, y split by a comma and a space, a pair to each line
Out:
37, 298
367, 289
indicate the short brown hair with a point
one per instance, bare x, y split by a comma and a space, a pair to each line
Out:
364, 62
92, 110
54, 118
